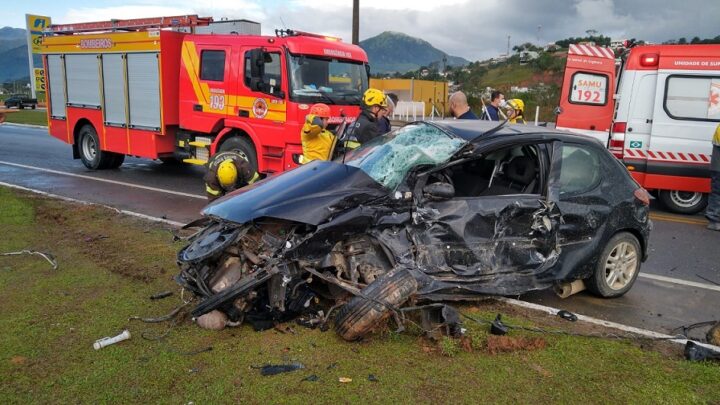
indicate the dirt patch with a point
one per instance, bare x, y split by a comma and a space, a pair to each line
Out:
18, 360
507, 344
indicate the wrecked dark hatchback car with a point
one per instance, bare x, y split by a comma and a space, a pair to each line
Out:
430, 212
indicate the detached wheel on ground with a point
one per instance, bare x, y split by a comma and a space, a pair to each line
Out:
92, 157
683, 202
243, 147
360, 315
618, 267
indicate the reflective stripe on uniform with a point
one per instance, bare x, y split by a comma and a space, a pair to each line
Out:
254, 178
211, 190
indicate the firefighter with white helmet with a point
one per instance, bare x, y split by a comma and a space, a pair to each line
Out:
365, 127
227, 171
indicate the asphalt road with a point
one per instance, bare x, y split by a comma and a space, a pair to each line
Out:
679, 284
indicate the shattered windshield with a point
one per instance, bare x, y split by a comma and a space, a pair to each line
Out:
388, 159
330, 81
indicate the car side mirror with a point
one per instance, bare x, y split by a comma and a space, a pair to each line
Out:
439, 191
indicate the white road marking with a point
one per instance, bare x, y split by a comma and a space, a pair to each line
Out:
595, 321
120, 183
73, 200
511, 301
678, 281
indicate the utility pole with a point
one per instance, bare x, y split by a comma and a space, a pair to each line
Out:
508, 47
356, 22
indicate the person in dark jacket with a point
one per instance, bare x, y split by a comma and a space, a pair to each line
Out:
384, 125
459, 107
365, 127
492, 110
227, 171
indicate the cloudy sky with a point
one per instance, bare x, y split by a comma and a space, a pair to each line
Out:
471, 29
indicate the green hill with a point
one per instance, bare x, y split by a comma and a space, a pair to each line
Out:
398, 52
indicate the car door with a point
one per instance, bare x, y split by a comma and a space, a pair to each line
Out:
496, 238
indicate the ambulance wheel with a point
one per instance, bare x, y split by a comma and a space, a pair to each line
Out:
683, 202
89, 147
242, 146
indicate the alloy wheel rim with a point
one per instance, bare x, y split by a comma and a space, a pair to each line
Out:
621, 265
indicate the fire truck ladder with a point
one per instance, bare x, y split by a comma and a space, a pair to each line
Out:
137, 24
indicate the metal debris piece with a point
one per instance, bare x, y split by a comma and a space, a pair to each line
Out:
311, 378
697, 352
497, 327
372, 378
273, 369
47, 256
567, 315
161, 295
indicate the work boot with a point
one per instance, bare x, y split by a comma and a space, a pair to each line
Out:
714, 226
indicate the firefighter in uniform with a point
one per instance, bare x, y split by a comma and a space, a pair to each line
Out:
227, 171
518, 114
365, 127
317, 141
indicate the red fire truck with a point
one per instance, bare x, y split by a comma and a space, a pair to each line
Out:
142, 88
658, 119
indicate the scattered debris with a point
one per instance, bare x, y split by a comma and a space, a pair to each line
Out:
161, 295
47, 256
567, 315
107, 341
163, 318
345, 380
311, 377
372, 378
273, 369
505, 344
213, 320
192, 352
497, 327
707, 279
332, 366
696, 352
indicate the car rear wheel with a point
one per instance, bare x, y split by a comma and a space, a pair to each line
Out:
683, 202
21, 106
618, 267
360, 316
92, 157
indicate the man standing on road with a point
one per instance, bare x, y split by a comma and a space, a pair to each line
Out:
492, 110
384, 125
365, 127
459, 107
712, 213
227, 171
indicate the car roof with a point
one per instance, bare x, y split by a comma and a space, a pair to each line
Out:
472, 129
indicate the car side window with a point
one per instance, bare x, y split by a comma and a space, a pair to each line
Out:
272, 72
580, 171
507, 171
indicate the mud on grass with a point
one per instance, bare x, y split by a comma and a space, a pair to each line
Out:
110, 265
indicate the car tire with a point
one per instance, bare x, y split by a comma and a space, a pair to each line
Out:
683, 202
360, 316
617, 268
21, 106
33, 106
89, 148
243, 147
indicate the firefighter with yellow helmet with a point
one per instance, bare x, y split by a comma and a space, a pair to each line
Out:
227, 171
517, 115
365, 127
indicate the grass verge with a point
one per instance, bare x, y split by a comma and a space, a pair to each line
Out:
111, 264
33, 117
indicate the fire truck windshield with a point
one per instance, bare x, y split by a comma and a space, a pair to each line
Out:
332, 81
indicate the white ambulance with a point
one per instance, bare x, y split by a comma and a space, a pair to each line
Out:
667, 106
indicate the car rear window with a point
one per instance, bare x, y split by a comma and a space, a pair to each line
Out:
580, 171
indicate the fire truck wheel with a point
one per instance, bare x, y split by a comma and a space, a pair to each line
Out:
117, 161
243, 147
683, 202
89, 147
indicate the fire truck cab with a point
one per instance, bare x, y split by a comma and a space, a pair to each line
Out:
161, 94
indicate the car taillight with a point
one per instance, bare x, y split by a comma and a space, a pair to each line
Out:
617, 139
642, 195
